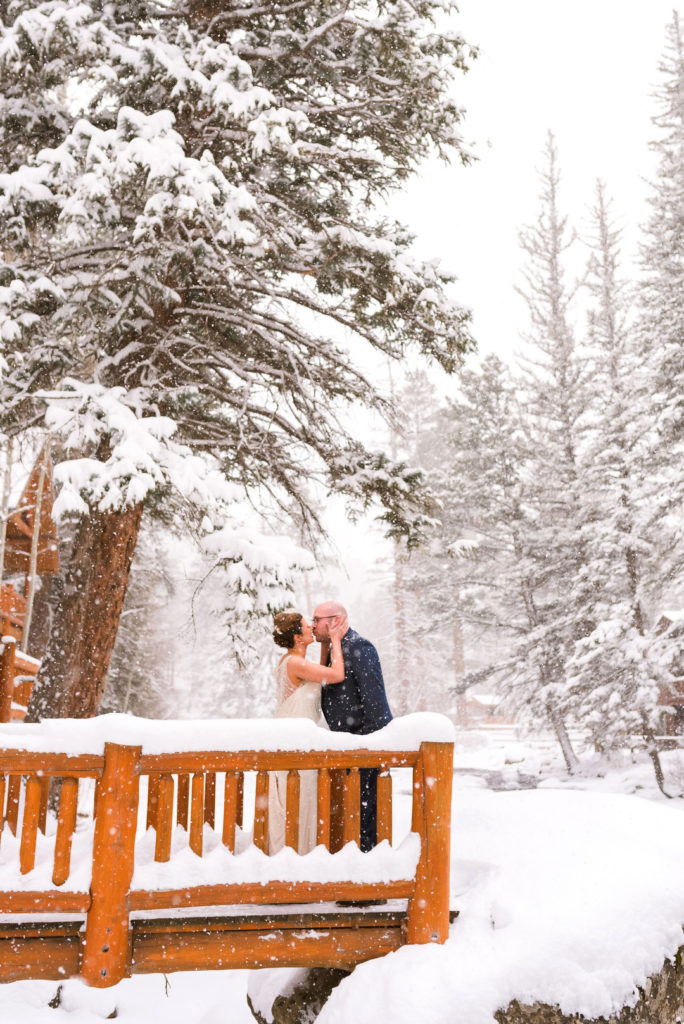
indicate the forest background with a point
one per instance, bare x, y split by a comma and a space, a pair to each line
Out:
556, 544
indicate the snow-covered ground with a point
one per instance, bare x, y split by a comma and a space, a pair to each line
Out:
570, 891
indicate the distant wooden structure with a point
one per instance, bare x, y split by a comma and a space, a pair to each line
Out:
671, 695
482, 711
17, 675
22, 522
17, 669
12, 611
281, 922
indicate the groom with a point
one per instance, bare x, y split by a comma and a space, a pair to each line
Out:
358, 704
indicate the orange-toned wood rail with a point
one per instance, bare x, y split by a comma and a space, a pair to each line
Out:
197, 800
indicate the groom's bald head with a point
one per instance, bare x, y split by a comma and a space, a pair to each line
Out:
330, 608
325, 615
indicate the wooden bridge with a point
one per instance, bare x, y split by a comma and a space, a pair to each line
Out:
193, 825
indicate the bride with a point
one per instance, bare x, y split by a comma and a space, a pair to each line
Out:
299, 696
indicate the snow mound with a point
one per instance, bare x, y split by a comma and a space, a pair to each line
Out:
567, 898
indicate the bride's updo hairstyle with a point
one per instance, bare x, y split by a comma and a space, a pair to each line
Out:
286, 626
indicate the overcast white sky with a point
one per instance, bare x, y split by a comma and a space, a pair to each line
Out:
584, 69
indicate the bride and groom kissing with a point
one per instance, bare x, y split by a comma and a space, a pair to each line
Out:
344, 692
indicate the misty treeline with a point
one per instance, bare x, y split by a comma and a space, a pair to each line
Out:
561, 473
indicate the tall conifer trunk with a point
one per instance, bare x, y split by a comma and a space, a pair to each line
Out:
74, 670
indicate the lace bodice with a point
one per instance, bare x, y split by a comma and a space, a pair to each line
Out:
303, 701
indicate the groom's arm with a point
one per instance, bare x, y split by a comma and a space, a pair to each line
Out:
371, 684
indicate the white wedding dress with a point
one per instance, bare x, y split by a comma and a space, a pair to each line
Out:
303, 701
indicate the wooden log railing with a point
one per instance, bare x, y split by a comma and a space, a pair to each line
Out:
191, 800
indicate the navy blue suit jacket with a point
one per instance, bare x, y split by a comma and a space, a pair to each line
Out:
359, 703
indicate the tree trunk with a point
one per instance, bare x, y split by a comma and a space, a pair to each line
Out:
571, 762
42, 618
74, 670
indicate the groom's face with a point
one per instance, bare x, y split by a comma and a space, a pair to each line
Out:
322, 623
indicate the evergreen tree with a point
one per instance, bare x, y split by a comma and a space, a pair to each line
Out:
463, 589
612, 675
188, 225
555, 397
662, 285
661, 326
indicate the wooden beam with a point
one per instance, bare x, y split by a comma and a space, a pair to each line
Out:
163, 952
24, 762
256, 922
51, 957
267, 893
51, 902
275, 760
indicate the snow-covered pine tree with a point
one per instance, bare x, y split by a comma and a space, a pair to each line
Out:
555, 396
661, 323
613, 675
188, 230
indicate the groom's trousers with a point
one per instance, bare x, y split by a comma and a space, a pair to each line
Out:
369, 808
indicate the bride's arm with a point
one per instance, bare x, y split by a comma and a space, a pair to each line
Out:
309, 672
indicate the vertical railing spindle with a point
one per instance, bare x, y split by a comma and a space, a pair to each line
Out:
292, 810
385, 806
44, 798
261, 811
66, 824
210, 799
197, 813
351, 807
29, 826
12, 810
323, 825
152, 800
230, 808
162, 848
183, 800
240, 815
2, 802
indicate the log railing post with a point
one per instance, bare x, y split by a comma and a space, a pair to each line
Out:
428, 909
7, 677
106, 946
